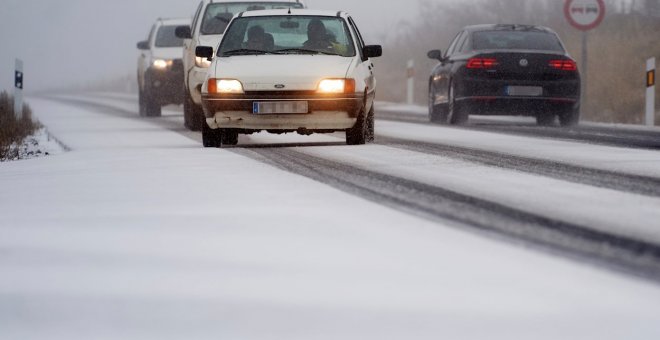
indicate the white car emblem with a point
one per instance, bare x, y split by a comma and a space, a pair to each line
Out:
280, 86
524, 62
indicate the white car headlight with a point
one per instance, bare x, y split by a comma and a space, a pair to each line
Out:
162, 64
202, 62
226, 86
331, 86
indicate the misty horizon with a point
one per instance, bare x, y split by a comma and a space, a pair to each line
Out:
90, 41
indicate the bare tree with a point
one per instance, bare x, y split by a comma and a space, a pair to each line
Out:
652, 7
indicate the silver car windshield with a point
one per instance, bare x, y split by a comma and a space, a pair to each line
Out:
218, 15
288, 35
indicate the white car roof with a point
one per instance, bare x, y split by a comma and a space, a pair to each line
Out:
175, 21
221, 1
294, 12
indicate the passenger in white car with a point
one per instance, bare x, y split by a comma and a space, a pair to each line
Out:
256, 38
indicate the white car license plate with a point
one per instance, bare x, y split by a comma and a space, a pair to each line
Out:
524, 91
272, 108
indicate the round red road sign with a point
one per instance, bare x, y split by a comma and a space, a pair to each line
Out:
584, 15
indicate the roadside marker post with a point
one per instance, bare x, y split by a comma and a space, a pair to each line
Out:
411, 82
650, 92
18, 89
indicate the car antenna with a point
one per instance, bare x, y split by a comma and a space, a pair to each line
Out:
289, 9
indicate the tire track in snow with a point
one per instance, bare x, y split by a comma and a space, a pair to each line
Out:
596, 135
641, 185
624, 254
647, 186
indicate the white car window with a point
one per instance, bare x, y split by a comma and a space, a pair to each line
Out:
361, 43
218, 15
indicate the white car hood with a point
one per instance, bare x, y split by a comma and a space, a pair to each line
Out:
209, 40
169, 53
296, 72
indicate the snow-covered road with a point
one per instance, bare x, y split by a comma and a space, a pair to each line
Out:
139, 233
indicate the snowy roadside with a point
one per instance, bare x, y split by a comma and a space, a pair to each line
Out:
39, 144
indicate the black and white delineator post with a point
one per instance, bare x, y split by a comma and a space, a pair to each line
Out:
650, 92
18, 89
410, 73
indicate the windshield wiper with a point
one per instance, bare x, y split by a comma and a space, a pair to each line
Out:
306, 51
246, 51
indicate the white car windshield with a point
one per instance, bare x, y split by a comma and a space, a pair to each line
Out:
288, 35
167, 38
218, 15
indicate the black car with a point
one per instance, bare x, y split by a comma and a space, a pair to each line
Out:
505, 70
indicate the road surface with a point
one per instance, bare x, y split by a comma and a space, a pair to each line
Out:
496, 230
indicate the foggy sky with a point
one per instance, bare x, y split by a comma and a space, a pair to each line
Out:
66, 42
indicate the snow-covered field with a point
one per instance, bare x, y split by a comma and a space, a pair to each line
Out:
139, 233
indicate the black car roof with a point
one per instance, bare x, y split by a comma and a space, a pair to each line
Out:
508, 27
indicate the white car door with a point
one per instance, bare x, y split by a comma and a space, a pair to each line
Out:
364, 69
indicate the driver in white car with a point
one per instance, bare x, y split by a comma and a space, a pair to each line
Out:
319, 39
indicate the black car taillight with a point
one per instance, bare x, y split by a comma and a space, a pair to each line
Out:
564, 65
481, 63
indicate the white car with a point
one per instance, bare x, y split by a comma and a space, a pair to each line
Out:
160, 69
302, 71
208, 25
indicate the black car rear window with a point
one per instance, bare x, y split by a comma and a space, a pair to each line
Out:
167, 38
515, 40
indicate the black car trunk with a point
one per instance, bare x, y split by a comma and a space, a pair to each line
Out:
522, 66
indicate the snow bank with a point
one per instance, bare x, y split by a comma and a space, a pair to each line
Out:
39, 144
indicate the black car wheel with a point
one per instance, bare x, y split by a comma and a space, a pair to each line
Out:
458, 114
193, 115
371, 125
152, 107
437, 113
211, 138
357, 135
570, 117
141, 103
545, 118
229, 137
149, 105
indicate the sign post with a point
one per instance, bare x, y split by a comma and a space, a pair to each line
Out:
18, 89
584, 76
411, 82
650, 92
584, 15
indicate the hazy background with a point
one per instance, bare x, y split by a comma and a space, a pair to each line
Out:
84, 43
68, 41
